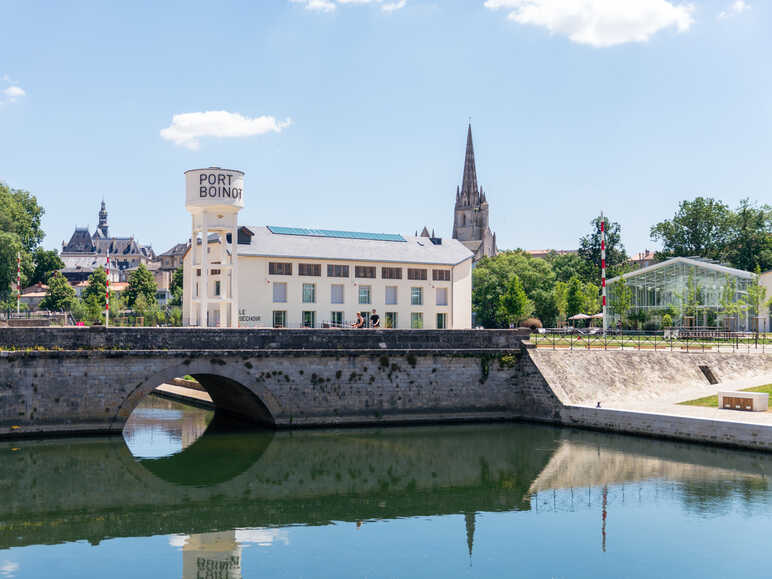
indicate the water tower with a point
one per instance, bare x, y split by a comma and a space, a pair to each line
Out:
214, 197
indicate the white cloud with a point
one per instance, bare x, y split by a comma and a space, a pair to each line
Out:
187, 128
737, 7
262, 537
599, 22
392, 6
331, 5
9, 568
11, 93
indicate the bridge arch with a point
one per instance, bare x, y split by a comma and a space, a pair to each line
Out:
236, 394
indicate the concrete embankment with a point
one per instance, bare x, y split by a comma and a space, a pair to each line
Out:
638, 392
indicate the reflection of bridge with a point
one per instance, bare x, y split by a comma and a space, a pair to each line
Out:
91, 489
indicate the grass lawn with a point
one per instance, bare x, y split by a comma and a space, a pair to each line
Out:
712, 401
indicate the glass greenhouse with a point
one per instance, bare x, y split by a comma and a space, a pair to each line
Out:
694, 292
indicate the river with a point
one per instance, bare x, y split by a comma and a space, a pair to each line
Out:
171, 500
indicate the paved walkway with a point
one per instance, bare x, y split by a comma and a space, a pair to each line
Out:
668, 405
183, 392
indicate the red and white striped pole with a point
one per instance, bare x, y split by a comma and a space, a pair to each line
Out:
603, 268
18, 282
107, 294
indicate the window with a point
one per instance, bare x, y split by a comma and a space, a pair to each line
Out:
442, 321
217, 287
416, 296
366, 271
198, 272
391, 319
364, 294
310, 269
391, 273
215, 272
442, 296
309, 319
279, 268
391, 295
441, 274
417, 274
279, 319
336, 319
337, 270
280, 293
336, 293
309, 293
196, 289
416, 320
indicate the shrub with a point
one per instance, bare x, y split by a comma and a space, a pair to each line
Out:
532, 323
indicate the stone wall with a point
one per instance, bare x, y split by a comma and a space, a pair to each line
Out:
83, 338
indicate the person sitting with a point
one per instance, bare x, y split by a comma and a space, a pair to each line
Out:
375, 320
360, 321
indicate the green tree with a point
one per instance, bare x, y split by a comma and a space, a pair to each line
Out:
46, 263
96, 290
702, 227
175, 287
21, 215
175, 316
560, 293
574, 297
514, 304
692, 299
621, 298
546, 307
757, 294
59, 296
592, 302
750, 244
667, 321
590, 251
492, 275
567, 265
10, 247
141, 283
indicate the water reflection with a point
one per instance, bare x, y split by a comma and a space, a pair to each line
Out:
215, 496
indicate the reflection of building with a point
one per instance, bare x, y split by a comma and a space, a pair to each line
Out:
291, 277
544, 253
211, 556
85, 252
642, 259
666, 285
470, 217
765, 315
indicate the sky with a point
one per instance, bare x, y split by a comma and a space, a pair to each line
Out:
352, 114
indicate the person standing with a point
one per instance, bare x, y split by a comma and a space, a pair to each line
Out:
375, 320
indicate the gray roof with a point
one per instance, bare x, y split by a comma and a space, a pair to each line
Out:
688, 261
414, 250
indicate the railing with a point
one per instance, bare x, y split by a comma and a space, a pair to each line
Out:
682, 340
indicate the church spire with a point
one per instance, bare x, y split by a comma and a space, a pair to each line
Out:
469, 181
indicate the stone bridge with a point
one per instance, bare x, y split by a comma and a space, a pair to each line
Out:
88, 380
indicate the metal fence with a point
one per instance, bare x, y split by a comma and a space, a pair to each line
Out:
687, 341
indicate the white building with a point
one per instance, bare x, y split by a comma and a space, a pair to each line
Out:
289, 277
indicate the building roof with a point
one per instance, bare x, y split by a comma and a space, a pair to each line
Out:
178, 249
688, 261
414, 249
643, 256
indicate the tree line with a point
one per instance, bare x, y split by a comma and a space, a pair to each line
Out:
517, 288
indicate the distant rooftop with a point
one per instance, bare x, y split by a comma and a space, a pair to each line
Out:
337, 234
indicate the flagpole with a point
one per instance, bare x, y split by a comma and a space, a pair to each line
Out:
18, 282
107, 294
603, 268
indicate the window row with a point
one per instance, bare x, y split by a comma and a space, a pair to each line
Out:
364, 294
360, 271
337, 320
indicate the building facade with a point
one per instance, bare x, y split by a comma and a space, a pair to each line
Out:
268, 276
85, 252
471, 216
693, 291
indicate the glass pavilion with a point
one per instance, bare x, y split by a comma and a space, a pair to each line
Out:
663, 288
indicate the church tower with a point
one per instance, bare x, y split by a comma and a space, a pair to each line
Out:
471, 215
102, 227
